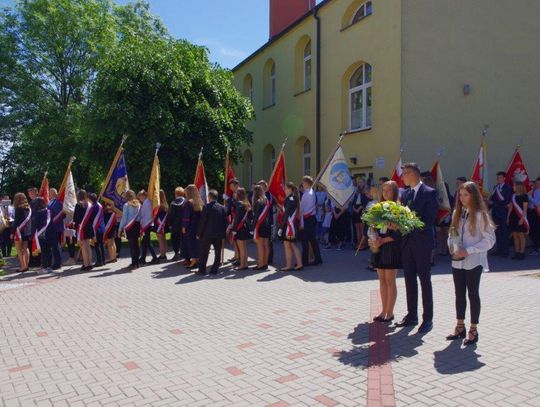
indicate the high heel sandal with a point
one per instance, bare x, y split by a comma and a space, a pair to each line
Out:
379, 318
474, 333
459, 333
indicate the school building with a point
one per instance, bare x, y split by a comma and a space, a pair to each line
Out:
425, 75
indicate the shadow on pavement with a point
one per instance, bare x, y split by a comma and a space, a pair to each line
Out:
455, 359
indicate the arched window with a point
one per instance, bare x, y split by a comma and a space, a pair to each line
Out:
272, 159
248, 87
363, 11
248, 168
307, 66
306, 158
272, 100
360, 98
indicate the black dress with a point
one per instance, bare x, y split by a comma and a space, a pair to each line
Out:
389, 254
264, 228
289, 232
360, 201
242, 222
20, 216
514, 225
78, 217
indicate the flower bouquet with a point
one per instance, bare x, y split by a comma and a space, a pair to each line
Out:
389, 214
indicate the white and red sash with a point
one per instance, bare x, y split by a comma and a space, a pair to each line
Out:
262, 218
98, 218
84, 221
161, 223
130, 224
520, 213
290, 231
18, 233
111, 223
242, 223
36, 247
498, 193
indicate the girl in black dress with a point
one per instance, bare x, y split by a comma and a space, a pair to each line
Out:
82, 217
190, 225
289, 228
387, 259
111, 230
517, 219
160, 225
262, 211
243, 216
22, 229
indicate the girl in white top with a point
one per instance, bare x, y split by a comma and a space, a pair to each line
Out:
473, 232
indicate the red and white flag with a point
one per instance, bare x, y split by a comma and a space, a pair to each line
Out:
67, 194
444, 201
480, 172
278, 180
517, 172
200, 180
229, 175
44, 188
398, 173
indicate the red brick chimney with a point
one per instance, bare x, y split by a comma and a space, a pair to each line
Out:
285, 12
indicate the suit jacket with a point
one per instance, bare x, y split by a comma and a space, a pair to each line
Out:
426, 206
55, 206
499, 208
213, 222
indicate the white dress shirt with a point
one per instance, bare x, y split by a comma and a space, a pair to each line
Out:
476, 246
146, 214
308, 203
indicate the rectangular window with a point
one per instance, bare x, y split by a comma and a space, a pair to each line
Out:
368, 107
307, 73
357, 110
307, 164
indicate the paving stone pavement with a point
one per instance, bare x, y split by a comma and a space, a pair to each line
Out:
161, 336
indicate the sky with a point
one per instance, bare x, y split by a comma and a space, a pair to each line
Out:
230, 29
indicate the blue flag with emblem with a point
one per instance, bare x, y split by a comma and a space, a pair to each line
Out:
336, 178
116, 183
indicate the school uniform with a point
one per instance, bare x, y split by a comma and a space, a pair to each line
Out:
53, 234
98, 223
500, 199
289, 221
191, 224
130, 223
83, 221
147, 221
22, 226
308, 209
174, 221
242, 221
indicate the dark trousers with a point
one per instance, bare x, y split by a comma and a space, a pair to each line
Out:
46, 259
146, 245
99, 248
416, 260
70, 242
51, 254
502, 235
6, 242
310, 238
133, 240
270, 252
467, 282
118, 244
534, 232
176, 241
205, 250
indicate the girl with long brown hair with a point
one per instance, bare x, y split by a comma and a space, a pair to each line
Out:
289, 228
243, 215
190, 224
160, 225
472, 234
82, 217
262, 211
22, 229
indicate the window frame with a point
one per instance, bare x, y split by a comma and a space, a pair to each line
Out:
365, 14
364, 87
272, 85
307, 59
305, 156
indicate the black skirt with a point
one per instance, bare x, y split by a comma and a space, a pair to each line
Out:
389, 254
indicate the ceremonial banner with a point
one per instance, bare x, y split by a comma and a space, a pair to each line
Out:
200, 180
517, 172
480, 172
44, 188
67, 194
116, 183
337, 179
154, 184
444, 201
278, 180
229, 175
397, 174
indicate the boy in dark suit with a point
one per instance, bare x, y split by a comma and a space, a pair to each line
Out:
211, 232
498, 202
417, 247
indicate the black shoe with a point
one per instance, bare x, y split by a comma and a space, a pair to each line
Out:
315, 263
459, 333
155, 260
476, 336
175, 257
515, 256
142, 262
425, 327
213, 272
200, 273
521, 256
378, 318
388, 319
407, 322
235, 263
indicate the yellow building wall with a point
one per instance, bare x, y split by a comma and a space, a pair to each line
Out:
493, 45
375, 40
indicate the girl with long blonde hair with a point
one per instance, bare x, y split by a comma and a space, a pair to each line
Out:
192, 215
22, 229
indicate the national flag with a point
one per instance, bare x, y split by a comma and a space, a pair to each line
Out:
200, 180
517, 172
337, 179
397, 174
444, 201
154, 184
44, 188
480, 171
67, 194
229, 175
278, 180
116, 183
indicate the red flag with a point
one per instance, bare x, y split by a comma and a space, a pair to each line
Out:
278, 180
480, 174
397, 174
444, 200
517, 172
200, 181
44, 188
229, 175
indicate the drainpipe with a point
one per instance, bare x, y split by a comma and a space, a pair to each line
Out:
318, 91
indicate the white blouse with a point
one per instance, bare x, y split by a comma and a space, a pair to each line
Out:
476, 245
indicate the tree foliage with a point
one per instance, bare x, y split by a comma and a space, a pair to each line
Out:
75, 75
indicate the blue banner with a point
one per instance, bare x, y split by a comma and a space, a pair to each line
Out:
117, 184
